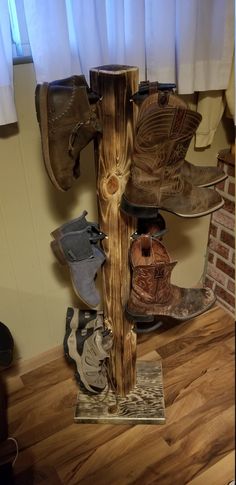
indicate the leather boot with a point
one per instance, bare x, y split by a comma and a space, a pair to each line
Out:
153, 295
165, 127
67, 123
84, 260
79, 224
200, 176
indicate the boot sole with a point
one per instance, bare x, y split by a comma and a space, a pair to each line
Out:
41, 96
135, 317
150, 318
149, 212
216, 181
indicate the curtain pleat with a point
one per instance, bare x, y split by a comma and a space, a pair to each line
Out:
187, 42
7, 105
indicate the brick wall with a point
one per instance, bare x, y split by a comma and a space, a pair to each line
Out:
220, 267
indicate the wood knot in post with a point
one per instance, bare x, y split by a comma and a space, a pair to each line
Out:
111, 185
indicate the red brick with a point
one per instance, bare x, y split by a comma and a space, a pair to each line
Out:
227, 238
231, 286
229, 270
231, 170
223, 218
225, 306
233, 258
221, 186
209, 283
213, 229
216, 274
231, 189
211, 257
225, 296
229, 205
219, 248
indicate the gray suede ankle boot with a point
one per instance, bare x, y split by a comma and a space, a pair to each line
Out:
84, 260
79, 224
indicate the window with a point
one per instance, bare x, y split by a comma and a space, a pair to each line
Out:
19, 32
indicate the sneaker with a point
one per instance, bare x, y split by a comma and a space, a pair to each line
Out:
87, 344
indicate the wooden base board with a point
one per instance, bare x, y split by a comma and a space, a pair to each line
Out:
143, 405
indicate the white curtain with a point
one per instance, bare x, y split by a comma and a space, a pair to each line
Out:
189, 42
7, 106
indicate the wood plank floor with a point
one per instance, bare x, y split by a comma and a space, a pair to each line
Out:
194, 447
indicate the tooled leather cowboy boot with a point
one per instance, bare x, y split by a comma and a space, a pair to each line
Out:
152, 294
202, 176
67, 123
198, 175
165, 127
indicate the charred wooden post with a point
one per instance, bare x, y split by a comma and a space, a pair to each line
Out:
113, 153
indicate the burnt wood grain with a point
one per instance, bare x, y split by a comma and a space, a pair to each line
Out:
115, 84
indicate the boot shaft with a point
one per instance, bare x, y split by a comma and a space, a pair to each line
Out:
152, 283
162, 137
151, 270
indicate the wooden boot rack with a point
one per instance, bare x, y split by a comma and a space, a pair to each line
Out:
134, 384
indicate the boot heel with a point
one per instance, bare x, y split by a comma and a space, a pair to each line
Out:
58, 252
138, 211
138, 318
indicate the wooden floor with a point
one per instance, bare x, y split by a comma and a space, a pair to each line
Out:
194, 447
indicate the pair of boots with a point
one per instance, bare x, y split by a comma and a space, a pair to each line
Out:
160, 177
87, 344
66, 112
76, 243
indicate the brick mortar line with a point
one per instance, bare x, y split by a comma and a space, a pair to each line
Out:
223, 288
227, 213
220, 226
218, 240
225, 246
225, 305
226, 195
220, 284
227, 277
225, 261
221, 299
230, 263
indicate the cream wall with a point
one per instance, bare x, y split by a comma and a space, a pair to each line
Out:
34, 290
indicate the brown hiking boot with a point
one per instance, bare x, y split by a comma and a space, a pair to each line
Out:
165, 127
67, 124
153, 295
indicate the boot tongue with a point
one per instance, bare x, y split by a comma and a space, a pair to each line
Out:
103, 343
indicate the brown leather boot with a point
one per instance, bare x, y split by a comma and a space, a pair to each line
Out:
165, 127
200, 176
67, 124
152, 294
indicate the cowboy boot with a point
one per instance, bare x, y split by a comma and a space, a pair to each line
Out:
67, 124
163, 133
152, 294
200, 176
84, 260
